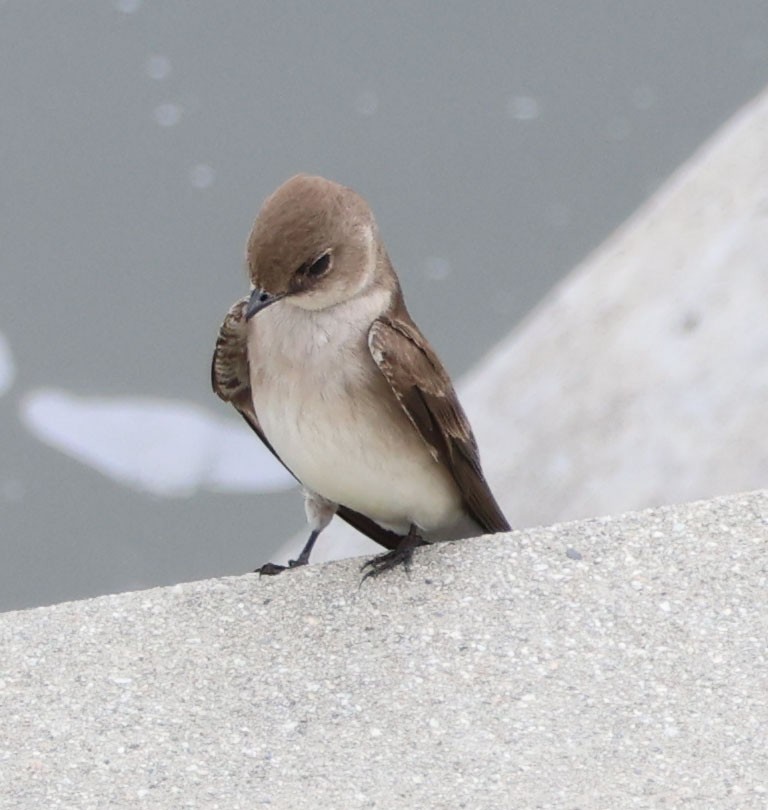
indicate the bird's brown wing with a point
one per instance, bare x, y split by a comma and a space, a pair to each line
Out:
424, 390
231, 382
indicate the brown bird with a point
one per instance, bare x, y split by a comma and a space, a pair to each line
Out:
325, 364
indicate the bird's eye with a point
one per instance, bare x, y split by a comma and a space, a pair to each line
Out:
318, 267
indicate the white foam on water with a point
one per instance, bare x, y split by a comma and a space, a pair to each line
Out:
164, 447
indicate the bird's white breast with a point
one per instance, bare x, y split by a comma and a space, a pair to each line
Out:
334, 422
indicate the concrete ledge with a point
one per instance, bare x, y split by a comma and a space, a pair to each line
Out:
610, 663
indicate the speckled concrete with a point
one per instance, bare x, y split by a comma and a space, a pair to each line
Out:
611, 663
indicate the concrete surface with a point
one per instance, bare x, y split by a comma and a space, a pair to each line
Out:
642, 379
612, 663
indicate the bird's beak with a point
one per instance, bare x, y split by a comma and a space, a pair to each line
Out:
260, 299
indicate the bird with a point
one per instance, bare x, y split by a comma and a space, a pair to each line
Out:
324, 362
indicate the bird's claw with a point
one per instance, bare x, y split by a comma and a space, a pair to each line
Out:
270, 569
385, 562
273, 569
402, 555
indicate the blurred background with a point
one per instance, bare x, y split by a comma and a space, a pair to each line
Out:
497, 143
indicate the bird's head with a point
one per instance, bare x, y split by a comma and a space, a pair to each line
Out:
314, 244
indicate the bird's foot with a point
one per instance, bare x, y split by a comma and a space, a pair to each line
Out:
273, 569
402, 555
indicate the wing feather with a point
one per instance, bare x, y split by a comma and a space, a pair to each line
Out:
424, 390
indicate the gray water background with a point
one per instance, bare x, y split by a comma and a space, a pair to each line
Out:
498, 143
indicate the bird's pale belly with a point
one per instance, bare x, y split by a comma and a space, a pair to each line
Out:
358, 451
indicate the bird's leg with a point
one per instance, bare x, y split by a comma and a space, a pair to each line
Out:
303, 558
270, 569
319, 513
400, 556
